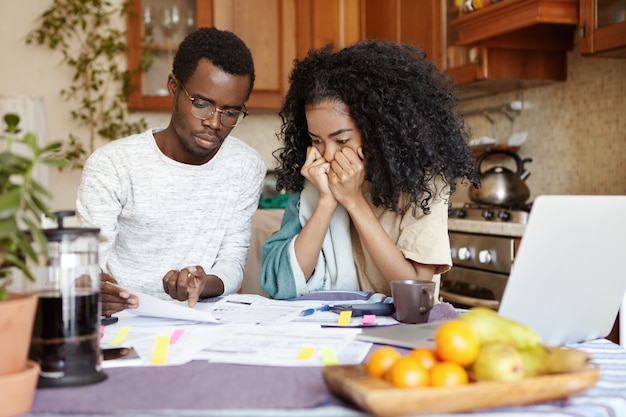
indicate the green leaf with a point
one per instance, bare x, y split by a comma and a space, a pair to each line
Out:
52, 147
8, 230
36, 207
13, 163
39, 189
56, 162
31, 140
13, 260
10, 202
38, 237
12, 120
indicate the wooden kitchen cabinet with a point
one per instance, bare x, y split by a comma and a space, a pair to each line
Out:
267, 27
506, 46
514, 44
323, 22
418, 23
603, 28
498, 70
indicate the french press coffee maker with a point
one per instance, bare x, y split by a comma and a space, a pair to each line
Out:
66, 332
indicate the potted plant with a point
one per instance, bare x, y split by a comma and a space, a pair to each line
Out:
23, 202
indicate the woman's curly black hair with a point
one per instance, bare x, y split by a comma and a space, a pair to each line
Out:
223, 48
405, 109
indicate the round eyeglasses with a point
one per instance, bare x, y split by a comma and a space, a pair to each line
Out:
203, 110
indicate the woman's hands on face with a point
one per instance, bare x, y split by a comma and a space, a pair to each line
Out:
315, 170
186, 284
114, 298
341, 179
347, 175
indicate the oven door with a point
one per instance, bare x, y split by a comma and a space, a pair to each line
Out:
466, 287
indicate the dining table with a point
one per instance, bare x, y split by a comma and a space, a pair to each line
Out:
203, 388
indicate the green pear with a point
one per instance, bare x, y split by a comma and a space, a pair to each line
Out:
545, 360
533, 358
561, 359
490, 327
498, 362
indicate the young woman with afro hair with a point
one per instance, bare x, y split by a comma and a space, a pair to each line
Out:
372, 149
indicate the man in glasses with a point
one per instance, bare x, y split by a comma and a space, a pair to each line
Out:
174, 205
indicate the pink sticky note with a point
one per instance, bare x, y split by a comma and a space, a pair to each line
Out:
369, 318
176, 335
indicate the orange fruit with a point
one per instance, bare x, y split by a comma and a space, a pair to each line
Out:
381, 360
425, 355
448, 374
408, 372
455, 341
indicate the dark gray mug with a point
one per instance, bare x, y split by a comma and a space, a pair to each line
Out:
413, 300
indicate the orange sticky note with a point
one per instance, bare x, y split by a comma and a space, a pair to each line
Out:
344, 317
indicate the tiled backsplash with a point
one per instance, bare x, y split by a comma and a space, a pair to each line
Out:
576, 129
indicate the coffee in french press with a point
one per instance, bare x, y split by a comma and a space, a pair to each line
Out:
66, 332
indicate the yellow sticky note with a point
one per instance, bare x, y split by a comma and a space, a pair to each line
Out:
329, 357
305, 353
161, 346
344, 317
119, 338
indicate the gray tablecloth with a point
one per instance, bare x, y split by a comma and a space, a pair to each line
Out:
198, 385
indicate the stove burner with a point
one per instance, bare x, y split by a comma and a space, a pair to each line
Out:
511, 207
490, 212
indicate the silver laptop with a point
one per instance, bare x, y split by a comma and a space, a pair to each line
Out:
567, 282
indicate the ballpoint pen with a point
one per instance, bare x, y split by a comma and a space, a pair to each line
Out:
310, 311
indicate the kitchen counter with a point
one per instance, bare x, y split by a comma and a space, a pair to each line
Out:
486, 227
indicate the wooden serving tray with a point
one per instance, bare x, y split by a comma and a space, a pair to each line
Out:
381, 399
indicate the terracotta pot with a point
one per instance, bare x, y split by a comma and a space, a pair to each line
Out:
17, 390
17, 315
18, 375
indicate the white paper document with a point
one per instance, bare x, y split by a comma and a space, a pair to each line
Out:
253, 330
169, 309
186, 339
256, 309
287, 345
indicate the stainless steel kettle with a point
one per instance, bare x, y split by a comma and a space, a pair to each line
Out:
500, 185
